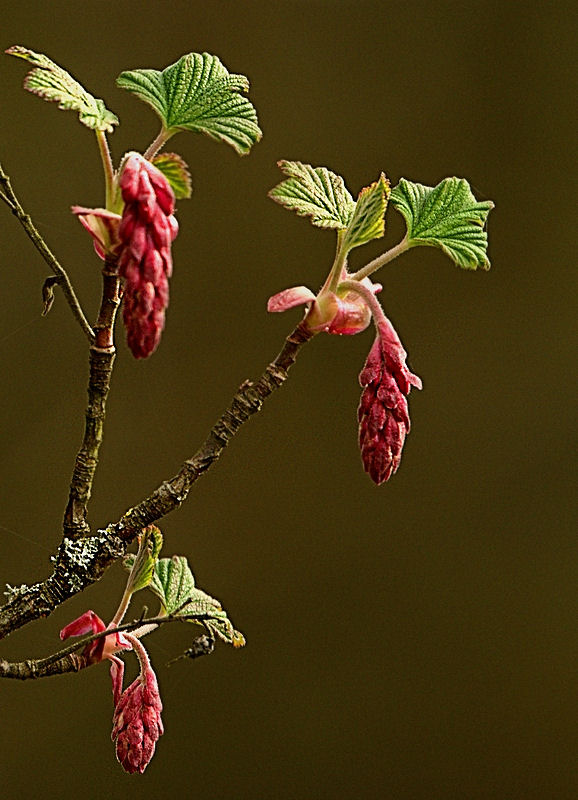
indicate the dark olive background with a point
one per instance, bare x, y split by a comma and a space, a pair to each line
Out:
412, 641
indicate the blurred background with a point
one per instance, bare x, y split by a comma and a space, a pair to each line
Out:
414, 641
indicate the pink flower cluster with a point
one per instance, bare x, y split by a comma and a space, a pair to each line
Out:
147, 230
383, 413
140, 241
386, 380
137, 723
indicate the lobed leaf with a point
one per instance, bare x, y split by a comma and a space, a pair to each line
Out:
314, 192
52, 83
447, 216
198, 94
367, 220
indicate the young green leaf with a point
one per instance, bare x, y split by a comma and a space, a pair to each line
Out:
198, 94
176, 171
142, 565
367, 221
314, 192
174, 584
52, 83
447, 216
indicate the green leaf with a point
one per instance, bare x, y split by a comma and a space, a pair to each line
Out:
176, 171
314, 192
447, 216
54, 84
198, 94
174, 584
142, 565
367, 221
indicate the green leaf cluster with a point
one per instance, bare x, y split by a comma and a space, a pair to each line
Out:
52, 83
172, 581
198, 94
446, 216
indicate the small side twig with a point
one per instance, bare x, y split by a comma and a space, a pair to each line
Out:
9, 197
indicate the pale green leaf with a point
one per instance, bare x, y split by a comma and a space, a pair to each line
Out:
314, 192
447, 216
367, 221
142, 565
52, 83
174, 584
176, 171
198, 94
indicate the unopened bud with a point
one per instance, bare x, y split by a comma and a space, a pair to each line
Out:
147, 230
383, 412
137, 722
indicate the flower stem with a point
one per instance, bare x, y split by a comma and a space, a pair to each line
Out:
381, 260
156, 144
337, 269
141, 653
108, 168
122, 608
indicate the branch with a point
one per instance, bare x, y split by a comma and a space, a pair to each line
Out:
68, 660
81, 562
102, 355
8, 196
247, 401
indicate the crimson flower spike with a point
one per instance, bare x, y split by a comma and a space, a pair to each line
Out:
147, 230
383, 411
140, 241
137, 723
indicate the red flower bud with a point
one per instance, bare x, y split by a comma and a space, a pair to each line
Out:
383, 412
147, 230
137, 721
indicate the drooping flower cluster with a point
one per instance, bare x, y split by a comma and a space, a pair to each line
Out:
383, 412
147, 230
140, 241
137, 723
